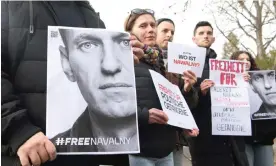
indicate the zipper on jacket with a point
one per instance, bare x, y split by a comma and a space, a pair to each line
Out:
31, 17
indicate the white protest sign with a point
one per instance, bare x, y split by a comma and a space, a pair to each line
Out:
173, 102
231, 121
229, 97
184, 57
227, 72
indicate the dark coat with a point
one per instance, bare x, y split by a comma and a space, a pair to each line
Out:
23, 73
263, 131
156, 140
209, 150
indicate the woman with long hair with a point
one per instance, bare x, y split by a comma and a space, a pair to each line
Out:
259, 150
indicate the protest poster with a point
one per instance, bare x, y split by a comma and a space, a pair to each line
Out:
86, 107
229, 98
184, 57
173, 102
231, 121
227, 72
262, 92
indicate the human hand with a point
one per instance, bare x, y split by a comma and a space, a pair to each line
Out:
246, 76
205, 85
36, 150
157, 116
189, 80
191, 133
137, 48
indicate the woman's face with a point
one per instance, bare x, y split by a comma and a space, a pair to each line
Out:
144, 29
245, 57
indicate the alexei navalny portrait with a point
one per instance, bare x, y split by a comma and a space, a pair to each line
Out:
263, 83
100, 62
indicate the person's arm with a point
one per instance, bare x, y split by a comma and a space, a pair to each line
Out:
191, 97
16, 126
143, 116
150, 116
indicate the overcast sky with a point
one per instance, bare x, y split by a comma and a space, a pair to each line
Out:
113, 13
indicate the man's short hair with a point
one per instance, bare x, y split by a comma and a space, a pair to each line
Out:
202, 24
62, 33
159, 21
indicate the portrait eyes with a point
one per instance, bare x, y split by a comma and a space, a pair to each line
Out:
261, 77
87, 46
258, 77
125, 43
271, 75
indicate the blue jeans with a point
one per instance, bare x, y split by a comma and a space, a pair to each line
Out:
178, 157
147, 161
259, 155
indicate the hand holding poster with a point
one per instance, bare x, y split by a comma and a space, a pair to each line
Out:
262, 92
229, 97
183, 57
173, 102
91, 94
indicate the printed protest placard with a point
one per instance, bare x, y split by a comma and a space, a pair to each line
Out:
231, 120
91, 94
227, 72
184, 57
229, 98
262, 92
173, 102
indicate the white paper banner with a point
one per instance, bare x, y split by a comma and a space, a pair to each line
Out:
173, 102
184, 57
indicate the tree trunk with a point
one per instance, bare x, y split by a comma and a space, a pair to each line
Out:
259, 31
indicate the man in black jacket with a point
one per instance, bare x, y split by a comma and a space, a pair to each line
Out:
207, 149
23, 79
165, 34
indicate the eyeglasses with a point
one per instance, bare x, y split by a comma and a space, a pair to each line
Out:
142, 11
138, 11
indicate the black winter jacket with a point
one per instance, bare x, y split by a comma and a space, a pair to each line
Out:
23, 73
156, 140
207, 149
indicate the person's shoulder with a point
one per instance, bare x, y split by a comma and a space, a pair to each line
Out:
259, 114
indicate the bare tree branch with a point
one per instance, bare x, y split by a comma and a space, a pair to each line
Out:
233, 7
269, 9
242, 28
270, 21
248, 11
221, 31
269, 41
265, 17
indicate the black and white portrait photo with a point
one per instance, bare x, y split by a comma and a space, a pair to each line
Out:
91, 96
262, 92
